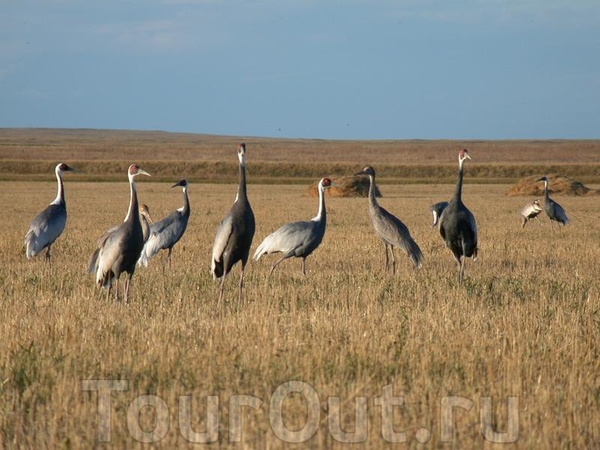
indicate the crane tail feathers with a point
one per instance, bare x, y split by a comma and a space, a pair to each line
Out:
216, 268
415, 254
93, 261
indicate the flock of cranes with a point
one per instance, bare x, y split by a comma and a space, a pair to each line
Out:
135, 241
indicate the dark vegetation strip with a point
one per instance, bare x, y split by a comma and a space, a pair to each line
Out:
284, 173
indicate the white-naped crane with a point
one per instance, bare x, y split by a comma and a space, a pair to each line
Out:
437, 209
146, 221
167, 232
389, 228
531, 211
49, 224
553, 210
457, 224
122, 247
297, 239
235, 232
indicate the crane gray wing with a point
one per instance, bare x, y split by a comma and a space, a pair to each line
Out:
224, 231
45, 228
163, 234
561, 215
393, 231
292, 238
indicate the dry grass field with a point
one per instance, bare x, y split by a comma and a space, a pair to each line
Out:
522, 329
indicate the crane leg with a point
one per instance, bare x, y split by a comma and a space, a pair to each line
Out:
169, 257
303, 266
524, 222
286, 256
241, 285
222, 287
387, 259
47, 257
461, 273
393, 260
127, 283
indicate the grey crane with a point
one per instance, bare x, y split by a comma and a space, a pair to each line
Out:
531, 211
437, 209
457, 224
389, 228
235, 232
298, 239
145, 220
48, 225
554, 211
165, 233
122, 247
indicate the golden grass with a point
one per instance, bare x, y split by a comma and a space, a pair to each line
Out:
524, 323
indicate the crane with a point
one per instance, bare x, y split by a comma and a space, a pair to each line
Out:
235, 232
145, 220
554, 211
298, 239
49, 224
165, 233
122, 247
437, 209
457, 224
531, 211
389, 228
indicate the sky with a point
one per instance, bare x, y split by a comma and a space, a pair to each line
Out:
353, 69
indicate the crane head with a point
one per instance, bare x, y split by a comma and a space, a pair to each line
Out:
463, 154
369, 171
542, 179
135, 170
62, 167
242, 154
183, 183
326, 182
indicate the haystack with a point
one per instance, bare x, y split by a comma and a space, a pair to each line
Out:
345, 187
558, 184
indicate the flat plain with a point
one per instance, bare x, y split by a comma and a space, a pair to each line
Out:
523, 327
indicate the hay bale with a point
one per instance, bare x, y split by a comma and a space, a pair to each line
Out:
558, 184
345, 187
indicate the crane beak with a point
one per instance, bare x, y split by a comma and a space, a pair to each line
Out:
143, 172
362, 172
179, 183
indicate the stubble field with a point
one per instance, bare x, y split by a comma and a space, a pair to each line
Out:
522, 329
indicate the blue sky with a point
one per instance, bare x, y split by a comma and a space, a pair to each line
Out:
363, 69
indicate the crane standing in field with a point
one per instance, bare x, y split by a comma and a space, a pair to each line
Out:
457, 224
554, 211
389, 228
48, 225
531, 211
165, 233
145, 220
122, 247
437, 210
298, 239
235, 232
